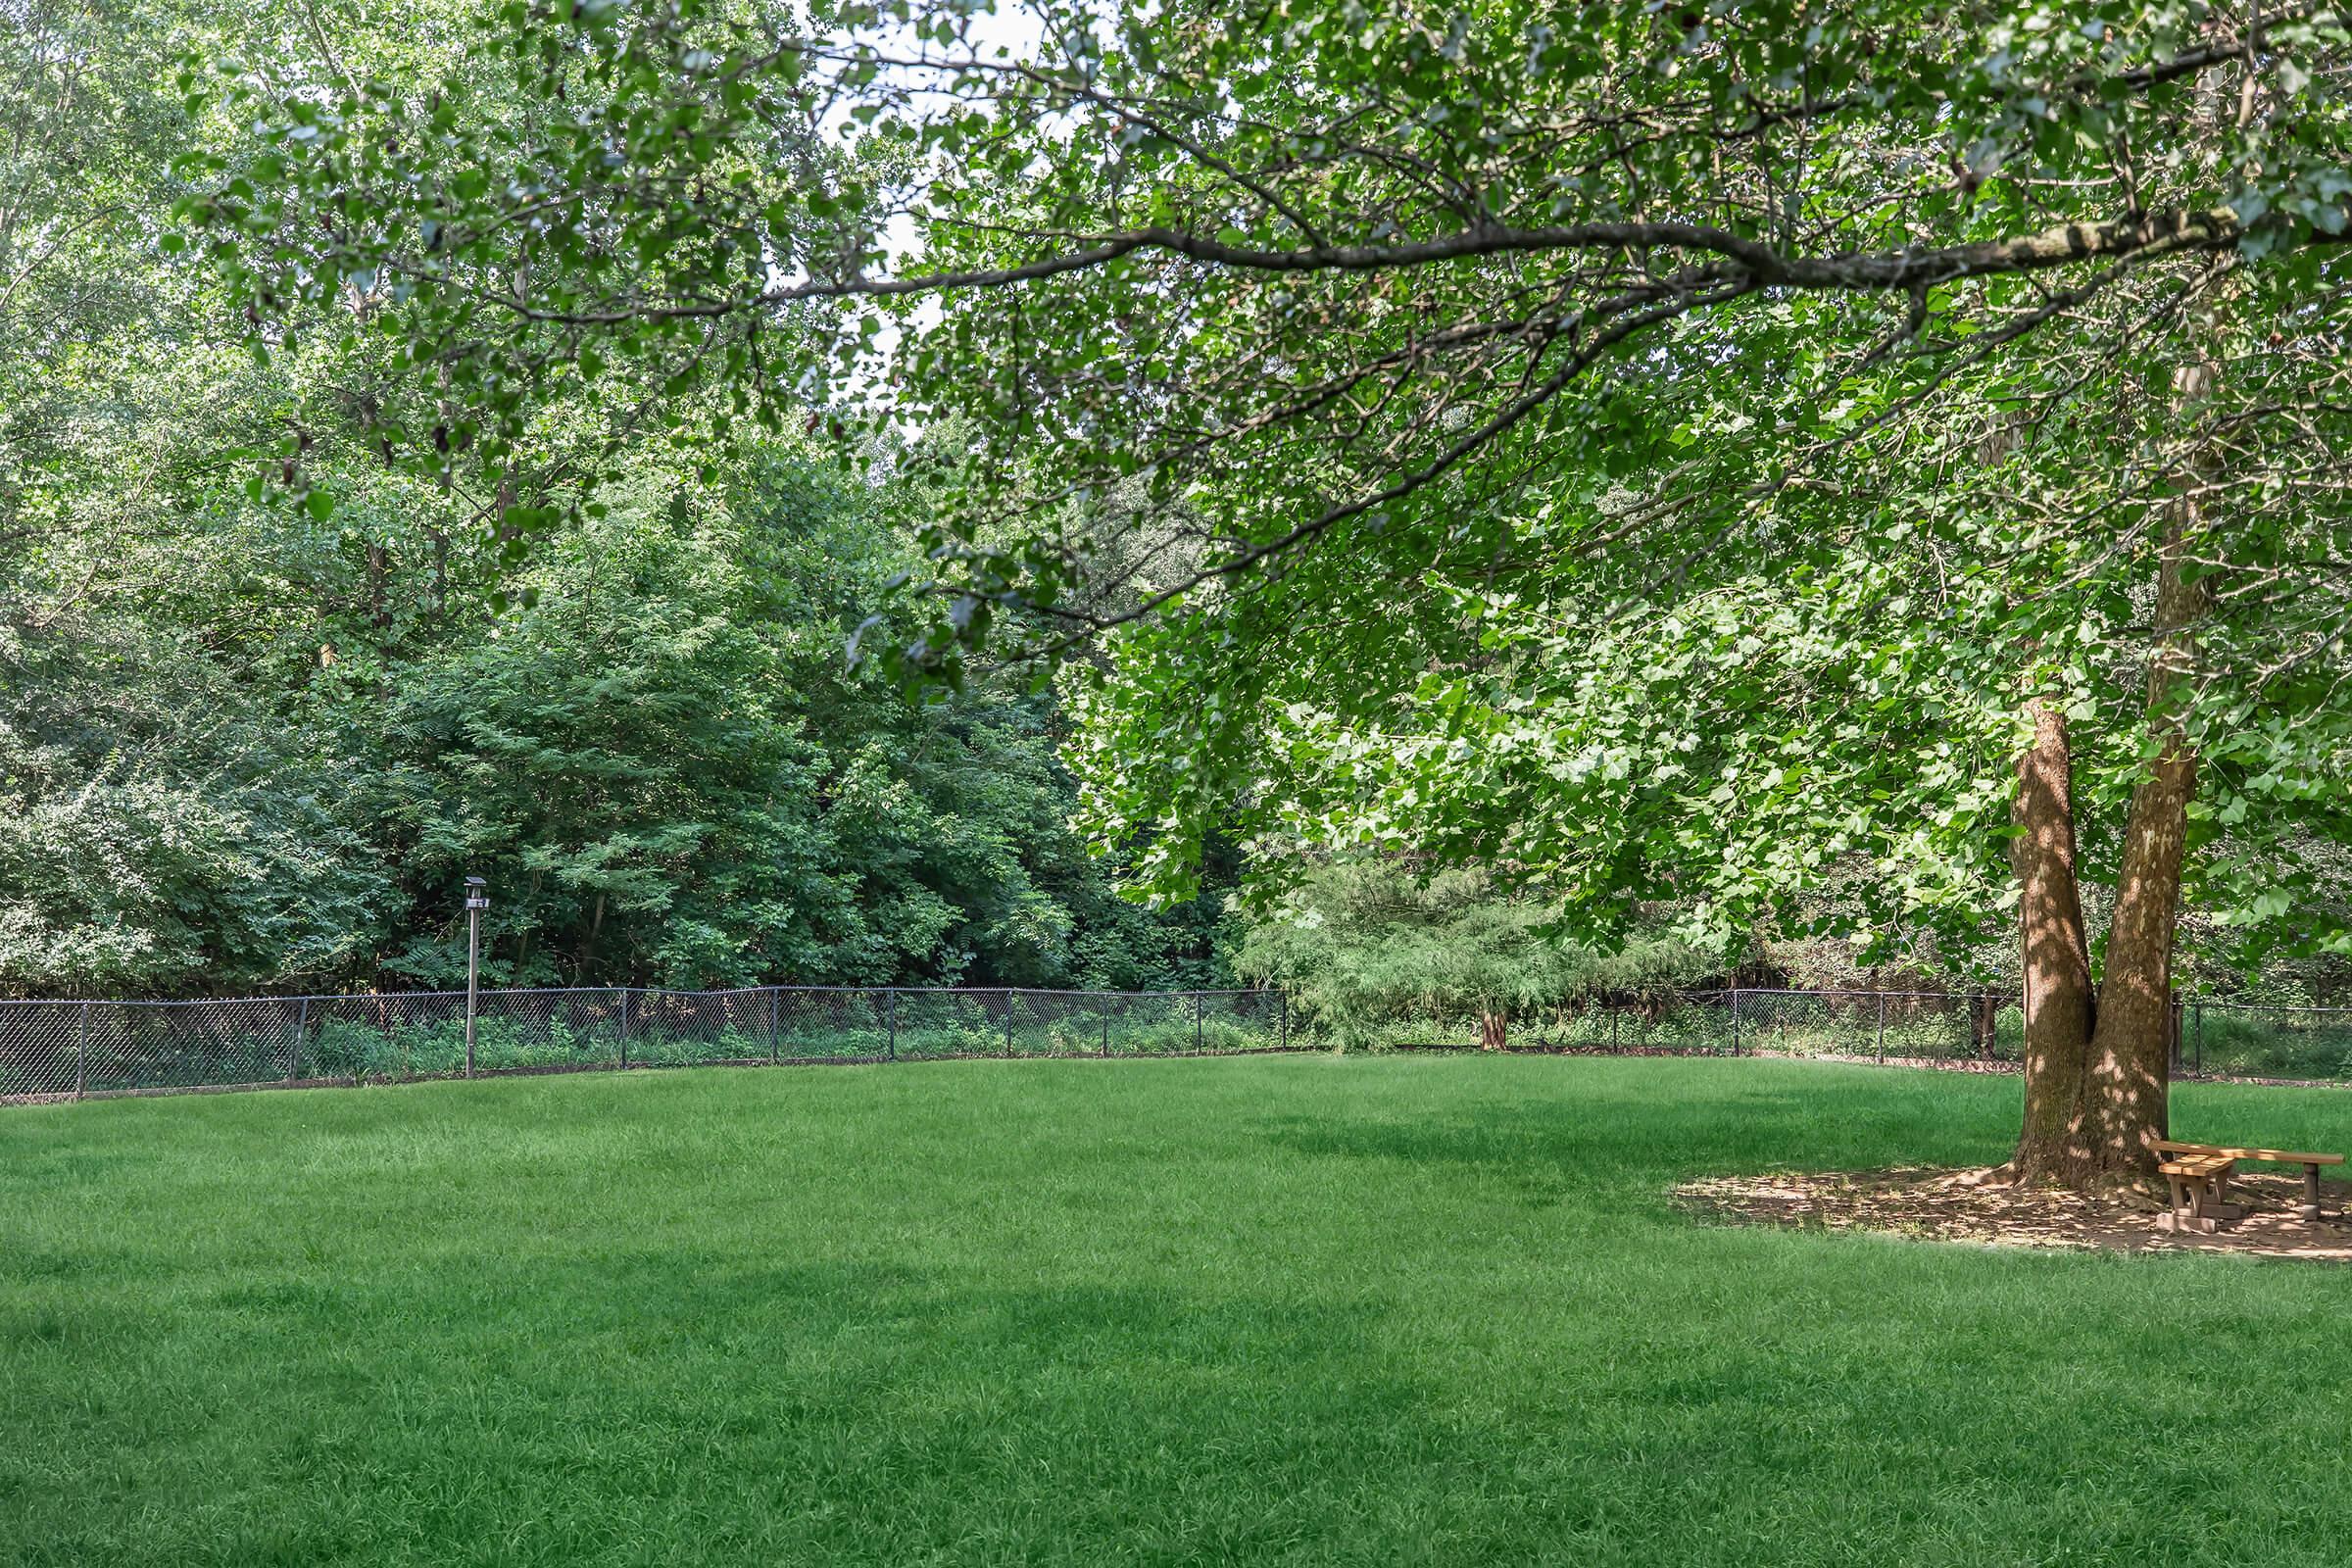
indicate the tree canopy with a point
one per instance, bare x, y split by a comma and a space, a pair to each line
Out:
1388, 375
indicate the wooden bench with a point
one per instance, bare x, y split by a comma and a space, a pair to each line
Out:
2200, 1173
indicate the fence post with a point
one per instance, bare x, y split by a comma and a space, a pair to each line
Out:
2200, 1037
81, 1050
892, 1008
1615, 1012
1199, 1015
1283, 997
775, 1004
1882, 1040
473, 965
1735, 1020
625, 1026
1106, 1029
301, 1026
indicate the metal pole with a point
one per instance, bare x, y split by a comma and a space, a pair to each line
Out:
81, 1051
1735, 1020
775, 1000
892, 1047
1615, 1012
473, 975
302, 1024
1285, 998
1882, 1045
1008, 1023
1106, 1028
625, 1026
1200, 1013
2200, 1037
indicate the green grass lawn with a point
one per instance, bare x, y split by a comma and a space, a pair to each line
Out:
1368, 1311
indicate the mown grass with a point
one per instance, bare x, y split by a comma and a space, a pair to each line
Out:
1273, 1310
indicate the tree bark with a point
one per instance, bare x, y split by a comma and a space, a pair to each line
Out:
1491, 1027
2131, 1045
2098, 1064
2060, 1005
1984, 1024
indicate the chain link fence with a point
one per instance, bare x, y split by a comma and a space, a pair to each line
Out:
1891, 1026
67, 1049
1982, 1030
2261, 1039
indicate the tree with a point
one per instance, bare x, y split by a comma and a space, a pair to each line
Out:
264, 696
1365, 946
159, 829
664, 765
1421, 344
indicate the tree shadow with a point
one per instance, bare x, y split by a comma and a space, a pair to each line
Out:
1550, 1150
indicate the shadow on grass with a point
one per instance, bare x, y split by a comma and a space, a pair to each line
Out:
1550, 1149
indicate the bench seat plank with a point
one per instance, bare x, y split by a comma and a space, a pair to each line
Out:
2169, 1145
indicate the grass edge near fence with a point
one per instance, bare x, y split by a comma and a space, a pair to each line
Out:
651, 1026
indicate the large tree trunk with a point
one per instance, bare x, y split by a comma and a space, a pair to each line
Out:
2132, 1046
2059, 1005
2099, 1065
2056, 1142
1490, 1030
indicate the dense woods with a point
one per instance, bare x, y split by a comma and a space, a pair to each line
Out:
254, 743
660, 761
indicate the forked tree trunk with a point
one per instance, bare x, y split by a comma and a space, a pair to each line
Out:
2055, 1143
2130, 1046
1491, 1028
2059, 1005
2093, 1109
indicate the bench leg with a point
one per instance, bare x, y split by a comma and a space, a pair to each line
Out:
2188, 1215
2220, 1207
2206, 1210
2311, 1192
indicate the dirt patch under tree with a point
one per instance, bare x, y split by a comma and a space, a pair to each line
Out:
1981, 1205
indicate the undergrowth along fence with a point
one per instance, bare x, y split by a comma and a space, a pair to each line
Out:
2210, 1038
51, 1050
